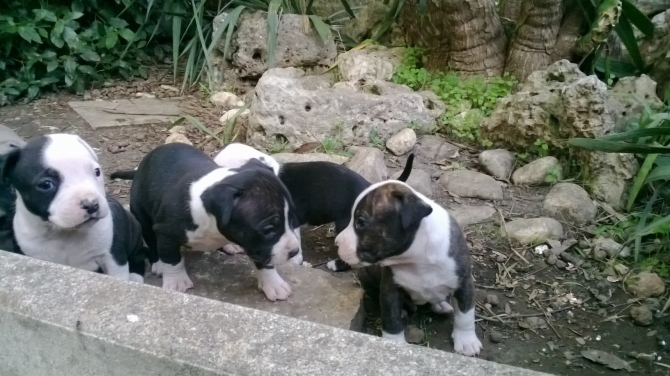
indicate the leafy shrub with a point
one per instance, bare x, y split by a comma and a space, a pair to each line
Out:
468, 100
67, 43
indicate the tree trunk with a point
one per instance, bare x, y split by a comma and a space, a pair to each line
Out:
534, 40
568, 34
464, 36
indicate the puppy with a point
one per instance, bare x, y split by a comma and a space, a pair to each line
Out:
423, 255
9, 141
181, 197
323, 192
62, 213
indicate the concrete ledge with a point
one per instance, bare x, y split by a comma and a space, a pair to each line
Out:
56, 320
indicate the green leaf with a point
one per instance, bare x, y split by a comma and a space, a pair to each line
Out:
33, 91
308, 8
74, 16
637, 18
70, 66
29, 34
117, 23
44, 14
230, 124
176, 33
659, 173
389, 19
640, 179
273, 24
52, 65
87, 69
12, 91
615, 147
127, 34
346, 6
48, 81
70, 36
203, 128
321, 28
617, 67
111, 40
589, 10
77, 6
43, 32
423, 8
68, 81
625, 32
90, 55
635, 134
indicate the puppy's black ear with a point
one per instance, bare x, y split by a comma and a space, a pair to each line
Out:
412, 209
219, 200
8, 162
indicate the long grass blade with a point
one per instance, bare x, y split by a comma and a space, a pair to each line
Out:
197, 14
321, 28
230, 124
637, 18
641, 224
176, 34
190, 63
233, 16
308, 8
347, 8
273, 25
588, 9
625, 32
640, 179
389, 19
203, 128
638, 133
615, 147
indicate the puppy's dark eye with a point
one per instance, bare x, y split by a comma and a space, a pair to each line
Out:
97, 172
360, 223
45, 185
268, 231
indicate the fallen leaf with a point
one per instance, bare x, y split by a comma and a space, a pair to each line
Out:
606, 359
580, 340
307, 147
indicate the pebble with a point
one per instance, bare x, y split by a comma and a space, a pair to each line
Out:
570, 202
496, 336
611, 247
641, 316
584, 244
645, 358
561, 264
555, 305
646, 285
599, 254
414, 334
501, 258
402, 142
552, 259
492, 299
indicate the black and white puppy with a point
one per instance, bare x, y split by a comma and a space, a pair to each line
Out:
62, 212
9, 141
323, 192
423, 255
182, 198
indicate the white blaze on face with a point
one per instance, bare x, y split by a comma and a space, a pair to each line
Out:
76, 163
287, 242
347, 242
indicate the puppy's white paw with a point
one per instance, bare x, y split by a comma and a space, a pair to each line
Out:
272, 285
442, 308
136, 278
175, 277
157, 268
297, 259
466, 342
232, 249
397, 338
332, 265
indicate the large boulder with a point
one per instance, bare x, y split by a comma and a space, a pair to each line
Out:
294, 109
371, 63
294, 47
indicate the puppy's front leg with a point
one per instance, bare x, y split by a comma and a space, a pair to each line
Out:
464, 336
272, 285
391, 299
112, 269
172, 266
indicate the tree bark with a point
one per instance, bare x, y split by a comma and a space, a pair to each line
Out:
534, 40
568, 34
464, 36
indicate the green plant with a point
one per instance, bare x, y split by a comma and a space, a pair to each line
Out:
468, 100
376, 140
553, 174
49, 44
542, 147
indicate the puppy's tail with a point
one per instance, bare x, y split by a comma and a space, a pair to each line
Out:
123, 175
408, 168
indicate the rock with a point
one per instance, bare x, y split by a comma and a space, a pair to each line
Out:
177, 137
145, 95
402, 142
621, 269
242, 118
552, 259
310, 157
414, 334
501, 258
561, 264
226, 101
466, 183
646, 285
498, 163
610, 175
630, 93
367, 20
533, 231
536, 172
492, 299
496, 336
371, 63
434, 148
467, 215
570, 202
641, 316
178, 129
533, 323
651, 7
294, 47
419, 180
369, 163
317, 295
296, 109
611, 247
599, 255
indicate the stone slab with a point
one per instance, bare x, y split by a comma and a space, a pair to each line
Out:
124, 112
57, 320
318, 296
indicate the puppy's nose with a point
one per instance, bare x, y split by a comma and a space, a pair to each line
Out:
292, 253
91, 206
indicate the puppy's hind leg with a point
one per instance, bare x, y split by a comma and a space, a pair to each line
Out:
391, 302
172, 266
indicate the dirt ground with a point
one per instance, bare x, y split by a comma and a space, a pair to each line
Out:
516, 280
